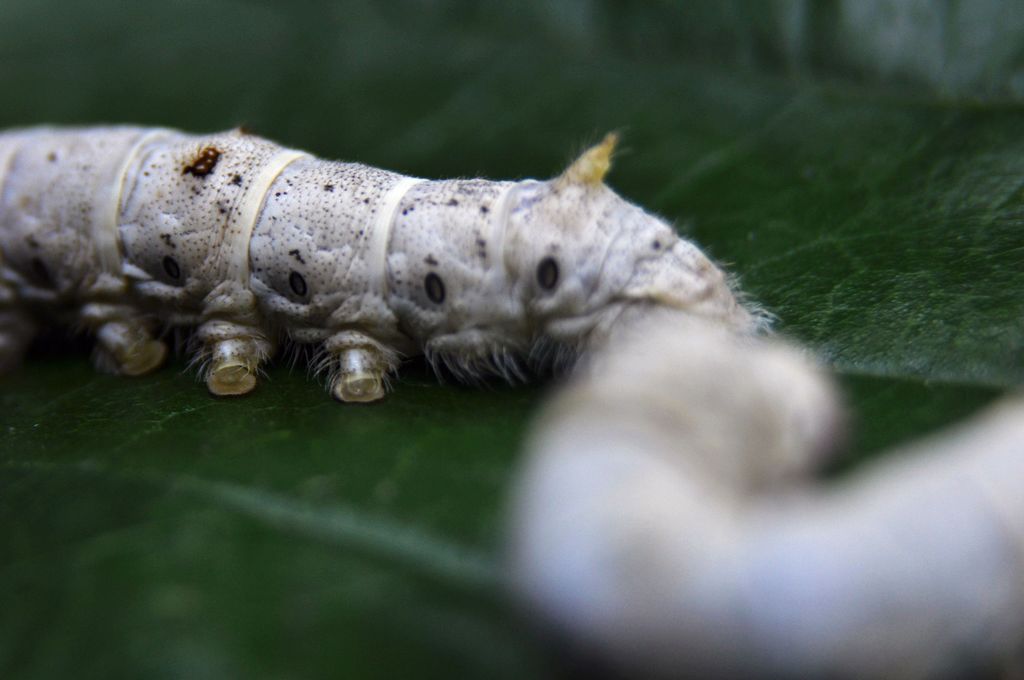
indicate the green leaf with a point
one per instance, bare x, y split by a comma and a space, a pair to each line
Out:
867, 194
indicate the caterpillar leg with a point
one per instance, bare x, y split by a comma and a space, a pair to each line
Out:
124, 343
16, 331
360, 375
128, 348
359, 367
232, 356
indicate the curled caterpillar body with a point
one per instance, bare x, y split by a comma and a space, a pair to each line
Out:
666, 522
126, 230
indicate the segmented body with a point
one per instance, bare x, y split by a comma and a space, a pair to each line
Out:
123, 230
667, 521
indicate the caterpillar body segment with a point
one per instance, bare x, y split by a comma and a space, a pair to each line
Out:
58, 210
125, 231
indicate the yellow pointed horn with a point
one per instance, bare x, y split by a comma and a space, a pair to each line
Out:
593, 164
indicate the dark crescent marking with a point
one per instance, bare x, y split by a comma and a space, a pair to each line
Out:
297, 283
434, 287
172, 268
547, 273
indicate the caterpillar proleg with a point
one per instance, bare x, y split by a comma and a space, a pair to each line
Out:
125, 231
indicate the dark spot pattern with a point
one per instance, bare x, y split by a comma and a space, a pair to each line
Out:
434, 287
547, 273
236, 180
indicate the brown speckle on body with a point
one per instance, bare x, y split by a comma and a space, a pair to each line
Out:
204, 162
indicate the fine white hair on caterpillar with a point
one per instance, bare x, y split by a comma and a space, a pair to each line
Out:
668, 523
128, 231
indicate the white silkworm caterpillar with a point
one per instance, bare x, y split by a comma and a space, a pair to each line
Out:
665, 520
122, 230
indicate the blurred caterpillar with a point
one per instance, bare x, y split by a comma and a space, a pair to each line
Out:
124, 230
666, 522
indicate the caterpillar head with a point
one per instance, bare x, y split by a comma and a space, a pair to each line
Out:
589, 261
577, 264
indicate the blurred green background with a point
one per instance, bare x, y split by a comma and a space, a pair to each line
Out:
858, 164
